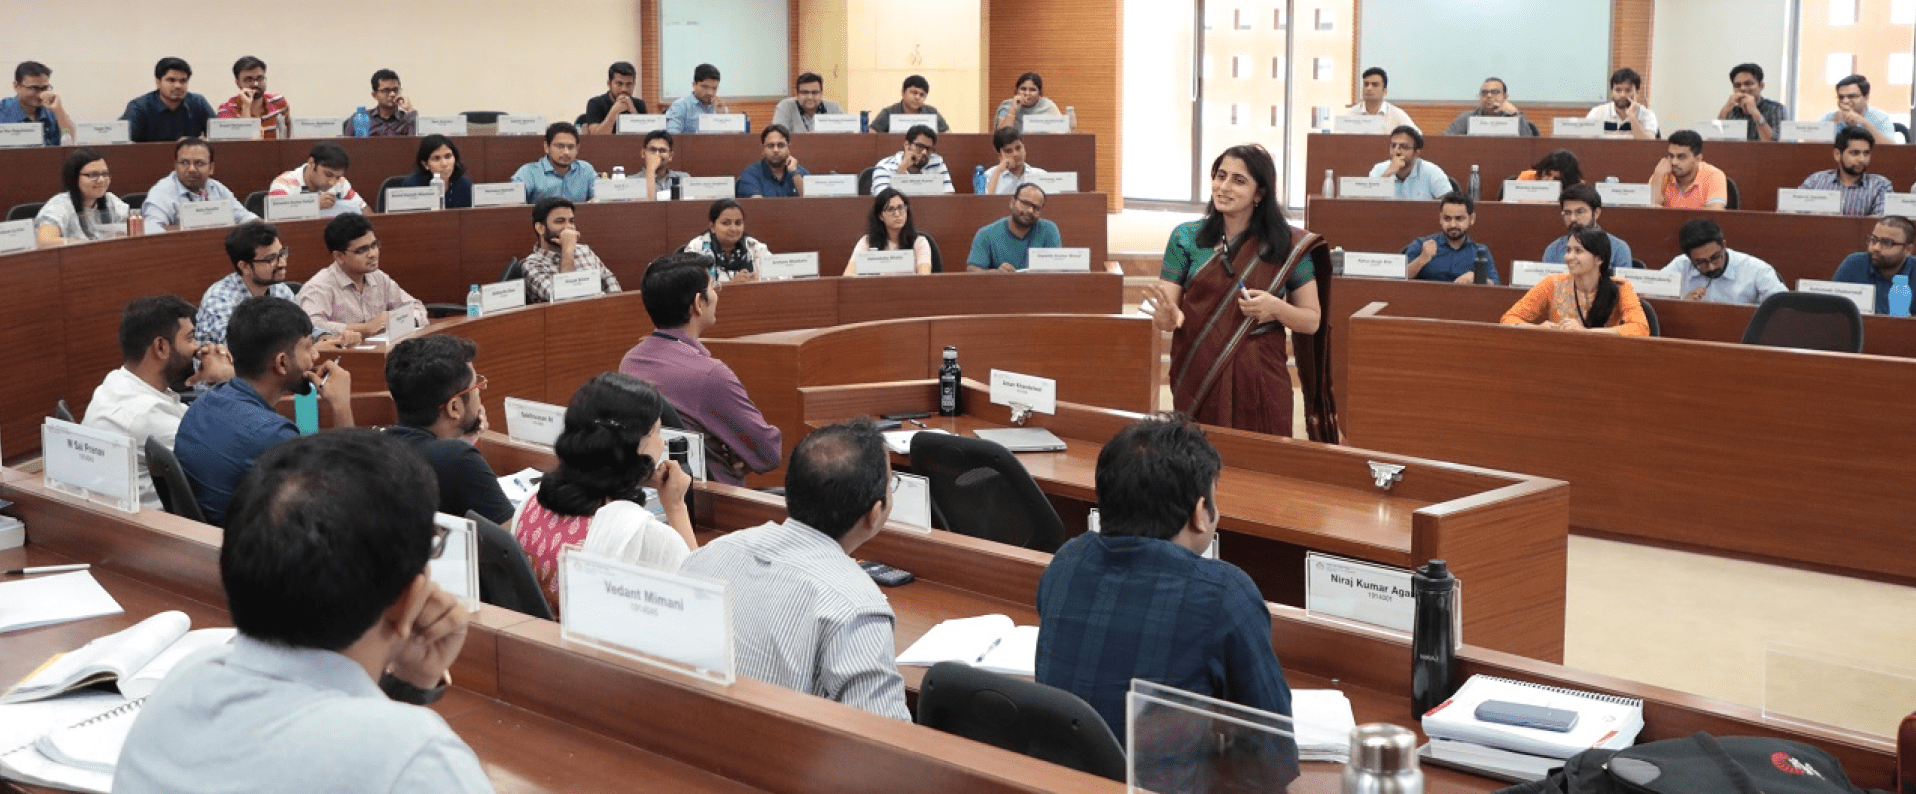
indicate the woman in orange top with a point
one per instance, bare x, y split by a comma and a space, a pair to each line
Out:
1588, 298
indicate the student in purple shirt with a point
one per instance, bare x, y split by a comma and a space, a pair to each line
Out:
683, 302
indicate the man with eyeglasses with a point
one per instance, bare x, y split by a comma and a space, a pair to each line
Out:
777, 173
1581, 205
560, 173
324, 173
353, 294
1746, 103
798, 113
169, 112
392, 113
1863, 193
1853, 110
254, 102
192, 180
1493, 101
33, 100
437, 393
920, 156
1886, 256
658, 165
259, 269
1414, 178
1712, 272
1006, 244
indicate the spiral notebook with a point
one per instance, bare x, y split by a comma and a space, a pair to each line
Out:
1603, 721
90, 726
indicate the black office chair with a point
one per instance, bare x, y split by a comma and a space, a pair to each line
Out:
1638, 264
515, 269
864, 182
256, 203
1022, 716
1735, 199
1650, 316
391, 182
169, 482
979, 488
1453, 184
294, 286
1807, 320
505, 575
1901, 129
937, 259
22, 212
135, 200
62, 412
482, 116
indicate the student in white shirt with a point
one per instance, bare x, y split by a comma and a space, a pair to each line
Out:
1376, 86
1012, 171
1624, 113
141, 400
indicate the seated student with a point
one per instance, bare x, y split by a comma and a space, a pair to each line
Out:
1012, 171
254, 102
805, 615
683, 116
1853, 110
1376, 85
169, 112
259, 268
324, 173
559, 173
1682, 180
1582, 205
602, 112
192, 180
1891, 244
776, 174
1746, 103
682, 301
1587, 298
34, 101
85, 210
1623, 113
232, 424
1450, 255
438, 155
436, 391
1414, 177
1559, 166
1493, 100
140, 399
1005, 244
911, 101
1713, 272
734, 256
1137, 601
890, 221
920, 156
658, 165
558, 250
353, 294
1863, 193
324, 567
609, 452
799, 113
391, 113
1027, 99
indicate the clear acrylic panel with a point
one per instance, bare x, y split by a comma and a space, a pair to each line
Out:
1805, 686
1183, 742
659, 617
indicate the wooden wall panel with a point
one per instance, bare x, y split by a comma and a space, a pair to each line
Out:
1077, 45
1631, 29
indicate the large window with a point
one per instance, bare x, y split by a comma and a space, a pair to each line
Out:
1838, 38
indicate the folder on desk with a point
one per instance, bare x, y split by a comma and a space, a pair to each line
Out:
1023, 439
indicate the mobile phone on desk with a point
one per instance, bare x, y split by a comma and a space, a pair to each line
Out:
885, 574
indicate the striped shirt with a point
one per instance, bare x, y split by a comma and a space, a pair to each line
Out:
806, 617
1863, 199
277, 113
888, 167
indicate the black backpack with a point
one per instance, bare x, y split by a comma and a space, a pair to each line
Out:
1699, 764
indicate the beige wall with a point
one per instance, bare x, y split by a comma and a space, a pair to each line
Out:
822, 46
888, 40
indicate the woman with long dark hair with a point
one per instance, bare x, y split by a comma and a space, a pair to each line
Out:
736, 256
86, 210
1560, 165
1232, 284
609, 452
1587, 298
439, 155
889, 228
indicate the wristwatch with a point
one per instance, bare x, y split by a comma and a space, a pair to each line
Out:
407, 693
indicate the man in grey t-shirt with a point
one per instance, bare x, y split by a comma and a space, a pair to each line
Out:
797, 113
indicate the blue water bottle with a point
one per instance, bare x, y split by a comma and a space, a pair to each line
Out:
1899, 296
362, 123
978, 181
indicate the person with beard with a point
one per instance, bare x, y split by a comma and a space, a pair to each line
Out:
1887, 256
920, 156
1449, 255
1589, 297
436, 391
259, 268
1714, 273
140, 400
558, 250
1863, 192
1006, 244
777, 174
560, 173
231, 425
191, 180
169, 112
1683, 181
1582, 205
1625, 113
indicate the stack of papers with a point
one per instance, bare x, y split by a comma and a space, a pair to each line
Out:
1513, 752
45, 600
1323, 721
989, 642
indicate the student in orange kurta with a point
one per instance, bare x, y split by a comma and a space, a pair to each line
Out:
1588, 298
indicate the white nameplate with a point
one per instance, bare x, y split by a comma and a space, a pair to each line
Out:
1721, 130
27, 133
443, 125
821, 185
205, 214
784, 266
1495, 126
1056, 181
919, 184
522, 125
400, 325
1531, 191
411, 199
1527, 274
16, 235
1371, 187
456, 569
502, 296
1046, 124
232, 129
1812, 202
835, 122
694, 450
1039, 393
87, 132
1624, 194
721, 122
1653, 283
292, 207
707, 187
1577, 128
498, 194
1863, 295
911, 501
576, 284
1903, 204
640, 123
673, 621
1058, 260
1375, 265
902, 123
534, 422
1807, 131
1371, 594
619, 190
1360, 124
318, 128
873, 262
96, 465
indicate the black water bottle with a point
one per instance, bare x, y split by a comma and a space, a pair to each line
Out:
1480, 271
679, 448
1433, 646
949, 376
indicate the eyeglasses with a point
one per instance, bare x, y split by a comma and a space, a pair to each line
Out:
1720, 257
364, 249
478, 384
37, 88
282, 255
1580, 212
97, 175
1029, 205
1491, 92
661, 150
193, 163
896, 209
388, 91
1873, 240
921, 147
1848, 97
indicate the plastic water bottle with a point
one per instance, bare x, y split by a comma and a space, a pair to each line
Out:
1071, 118
978, 180
1330, 183
1899, 296
472, 301
439, 189
949, 376
1476, 183
864, 121
618, 172
1433, 661
362, 123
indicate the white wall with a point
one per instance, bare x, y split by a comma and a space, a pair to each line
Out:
1696, 43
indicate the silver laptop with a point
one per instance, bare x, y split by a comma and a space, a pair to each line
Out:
1023, 439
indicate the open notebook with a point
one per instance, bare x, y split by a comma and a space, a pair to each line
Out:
70, 742
135, 658
990, 642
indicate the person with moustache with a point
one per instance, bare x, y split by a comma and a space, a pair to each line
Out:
683, 116
1863, 193
259, 268
1746, 103
437, 393
192, 180
1005, 244
1713, 272
799, 113
141, 399
659, 145
254, 102
34, 101
777, 173
1412, 177
1682, 180
1624, 113
558, 250
325, 174
353, 294
560, 172
1493, 101
169, 112
920, 156
1376, 85
602, 112
392, 114
1012, 170
1853, 110
1450, 254
1582, 205
1887, 254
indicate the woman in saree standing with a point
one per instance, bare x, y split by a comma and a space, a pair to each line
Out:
1230, 287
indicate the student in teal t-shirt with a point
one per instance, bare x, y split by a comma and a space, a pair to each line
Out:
1005, 244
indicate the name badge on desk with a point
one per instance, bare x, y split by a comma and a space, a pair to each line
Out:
501, 296
789, 266
1809, 202
89, 132
1375, 265
1046, 124
498, 194
1058, 260
694, 450
902, 123
411, 199
292, 207
522, 125
1370, 187
16, 235
95, 465
456, 569
835, 122
1361, 124
1532, 191
26, 133
306, 127
1807, 131
400, 325
1863, 295
1724, 130
534, 422
576, 284
1527, 274
919, 184
620, 189
640, 123
1624, 194
1010, 387
823, 185
441, 125
666, 619
1577, 128
1903, 204
242, 129
721, 122
911, 502
1493, 126
205, 214
1653, 283
1056, 181
707, 187
873, 262
1374, 595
